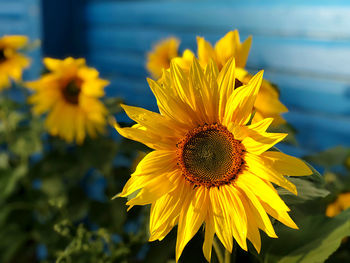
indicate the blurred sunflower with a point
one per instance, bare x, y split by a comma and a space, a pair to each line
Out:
209, 165
70, 94
161, 56
12, 62
340, 204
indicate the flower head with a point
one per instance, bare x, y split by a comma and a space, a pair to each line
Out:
161, 56
209, 164
12, 62
70, 94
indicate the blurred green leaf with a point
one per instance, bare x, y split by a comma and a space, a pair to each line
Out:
307, 190
9, 179
4, 160
113, 105
331, 157
317, 238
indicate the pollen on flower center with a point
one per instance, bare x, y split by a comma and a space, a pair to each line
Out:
2, 55
210, 156
71, 91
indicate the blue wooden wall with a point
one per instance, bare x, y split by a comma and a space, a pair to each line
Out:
304, 47
23, 17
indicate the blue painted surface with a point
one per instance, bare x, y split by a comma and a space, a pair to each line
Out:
304, 47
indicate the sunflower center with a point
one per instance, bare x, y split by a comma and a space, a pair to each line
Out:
2, 55
72, 90
210, 156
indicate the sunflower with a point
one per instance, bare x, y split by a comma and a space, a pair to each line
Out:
161, 56
70, 93
209, 165
12, 62
340, 204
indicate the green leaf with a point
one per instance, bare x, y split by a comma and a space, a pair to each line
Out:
307, 190
317, 238
9, 179
331, 157
113, 105
4, 160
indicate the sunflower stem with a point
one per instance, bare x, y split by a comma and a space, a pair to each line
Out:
234, 252
218, 251
227, 256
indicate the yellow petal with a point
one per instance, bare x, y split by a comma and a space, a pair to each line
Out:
239, 219
262, 190
242, 56
280, 215
257, 166
261, 126
152, 140
156, 161
185, 61
166, 210
173, 108
259, 143
153, 122
13, 41
52, 64
160, 56
253, 229
200, 93
226, 85
287, 165
256, 208
205, 51
153, 188
240, 103
191, 218
222, 218
225, 48
209, 234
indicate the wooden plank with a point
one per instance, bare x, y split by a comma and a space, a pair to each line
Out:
318, 132
12, 9
12, 26
325, 19
330, 58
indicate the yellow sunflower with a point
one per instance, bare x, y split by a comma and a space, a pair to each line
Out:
12, 62
161, 56
340, 204
209, 166
70, 94
267, 103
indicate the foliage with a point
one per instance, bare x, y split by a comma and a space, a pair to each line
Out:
56, 198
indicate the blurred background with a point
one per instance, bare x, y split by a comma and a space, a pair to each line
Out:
303, 46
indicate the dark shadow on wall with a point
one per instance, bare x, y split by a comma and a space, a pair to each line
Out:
63, 28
